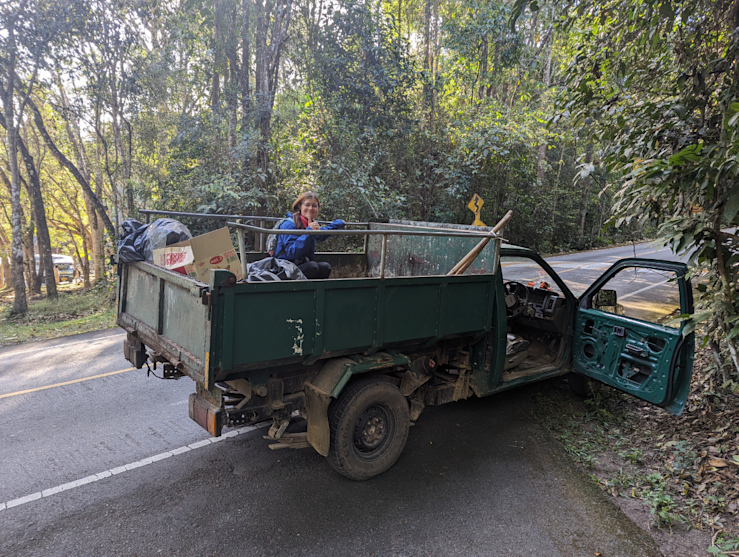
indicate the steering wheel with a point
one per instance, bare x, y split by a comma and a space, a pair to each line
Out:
521, 292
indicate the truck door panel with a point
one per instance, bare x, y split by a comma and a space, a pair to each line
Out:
628, 332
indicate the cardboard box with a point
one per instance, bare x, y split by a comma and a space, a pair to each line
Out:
174, 258
213, 250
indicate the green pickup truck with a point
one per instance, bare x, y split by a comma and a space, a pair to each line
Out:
360, 355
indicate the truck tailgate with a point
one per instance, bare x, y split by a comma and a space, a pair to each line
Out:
168, 312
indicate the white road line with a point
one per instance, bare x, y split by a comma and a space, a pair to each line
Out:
635, 292
11, 353
127, 467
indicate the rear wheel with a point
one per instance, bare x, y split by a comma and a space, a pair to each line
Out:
369, 428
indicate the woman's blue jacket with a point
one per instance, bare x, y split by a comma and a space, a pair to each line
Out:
300, 249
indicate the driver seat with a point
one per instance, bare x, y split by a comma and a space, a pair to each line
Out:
517, 350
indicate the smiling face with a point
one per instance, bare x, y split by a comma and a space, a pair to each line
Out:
309, 209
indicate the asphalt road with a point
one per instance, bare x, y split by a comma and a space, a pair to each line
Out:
98, 459
580, 270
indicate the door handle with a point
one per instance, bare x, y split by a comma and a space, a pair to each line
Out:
636, 350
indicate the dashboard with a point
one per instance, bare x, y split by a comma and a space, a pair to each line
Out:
535, 305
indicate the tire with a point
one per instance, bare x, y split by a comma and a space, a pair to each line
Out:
582, 386
358, 450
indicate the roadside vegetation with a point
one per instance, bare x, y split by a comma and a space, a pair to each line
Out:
684, 470
76, 310
595, 122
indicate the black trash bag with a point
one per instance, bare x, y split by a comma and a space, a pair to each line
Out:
126, 250
138, 241
272, 269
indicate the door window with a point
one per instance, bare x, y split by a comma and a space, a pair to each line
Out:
650, 295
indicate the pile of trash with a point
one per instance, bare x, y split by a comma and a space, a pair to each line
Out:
273, 269
169, 244
138, 241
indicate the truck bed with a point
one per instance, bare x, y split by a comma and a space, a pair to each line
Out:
224, 330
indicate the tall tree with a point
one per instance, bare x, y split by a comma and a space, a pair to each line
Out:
33, 187
13, 16
69, 165
29, 31
272, 20
657, 83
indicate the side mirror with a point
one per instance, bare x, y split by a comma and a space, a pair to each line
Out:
605, 298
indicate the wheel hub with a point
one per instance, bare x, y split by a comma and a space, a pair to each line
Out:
371, 429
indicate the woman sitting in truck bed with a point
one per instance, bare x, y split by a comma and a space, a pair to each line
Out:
301, 249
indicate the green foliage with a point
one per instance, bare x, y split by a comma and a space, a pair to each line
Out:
724, 545
661, 504
486, 48
654, 84
401, 109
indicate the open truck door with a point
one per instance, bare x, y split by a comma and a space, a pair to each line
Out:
628, 333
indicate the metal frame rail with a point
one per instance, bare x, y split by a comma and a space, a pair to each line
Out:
264, 232
366, 233
242, 218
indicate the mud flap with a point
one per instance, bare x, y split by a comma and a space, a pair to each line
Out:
316, 403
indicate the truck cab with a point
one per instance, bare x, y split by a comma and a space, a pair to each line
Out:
624, 330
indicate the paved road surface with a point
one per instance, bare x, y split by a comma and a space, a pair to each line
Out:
98, 459
580, 270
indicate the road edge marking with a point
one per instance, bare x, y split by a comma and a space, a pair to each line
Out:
8, 395
127, 467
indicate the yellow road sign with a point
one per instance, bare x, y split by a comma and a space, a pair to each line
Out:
475, 205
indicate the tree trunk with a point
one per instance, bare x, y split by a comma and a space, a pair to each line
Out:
33, 280
483, 73
585, 191
427, 56
215, 92
118, 141
5, 269
723, 273
85, 257
267, 58
76, 248
229, 44
555, 186
33, 186
98, 241
64, 161
400, 13
245, 65
261, 82
547, 79
20, 304
85, 262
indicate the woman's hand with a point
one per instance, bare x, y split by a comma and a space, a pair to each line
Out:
313, 225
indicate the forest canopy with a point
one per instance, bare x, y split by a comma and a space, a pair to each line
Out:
595, 122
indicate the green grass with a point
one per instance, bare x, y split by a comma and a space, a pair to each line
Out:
74, 311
